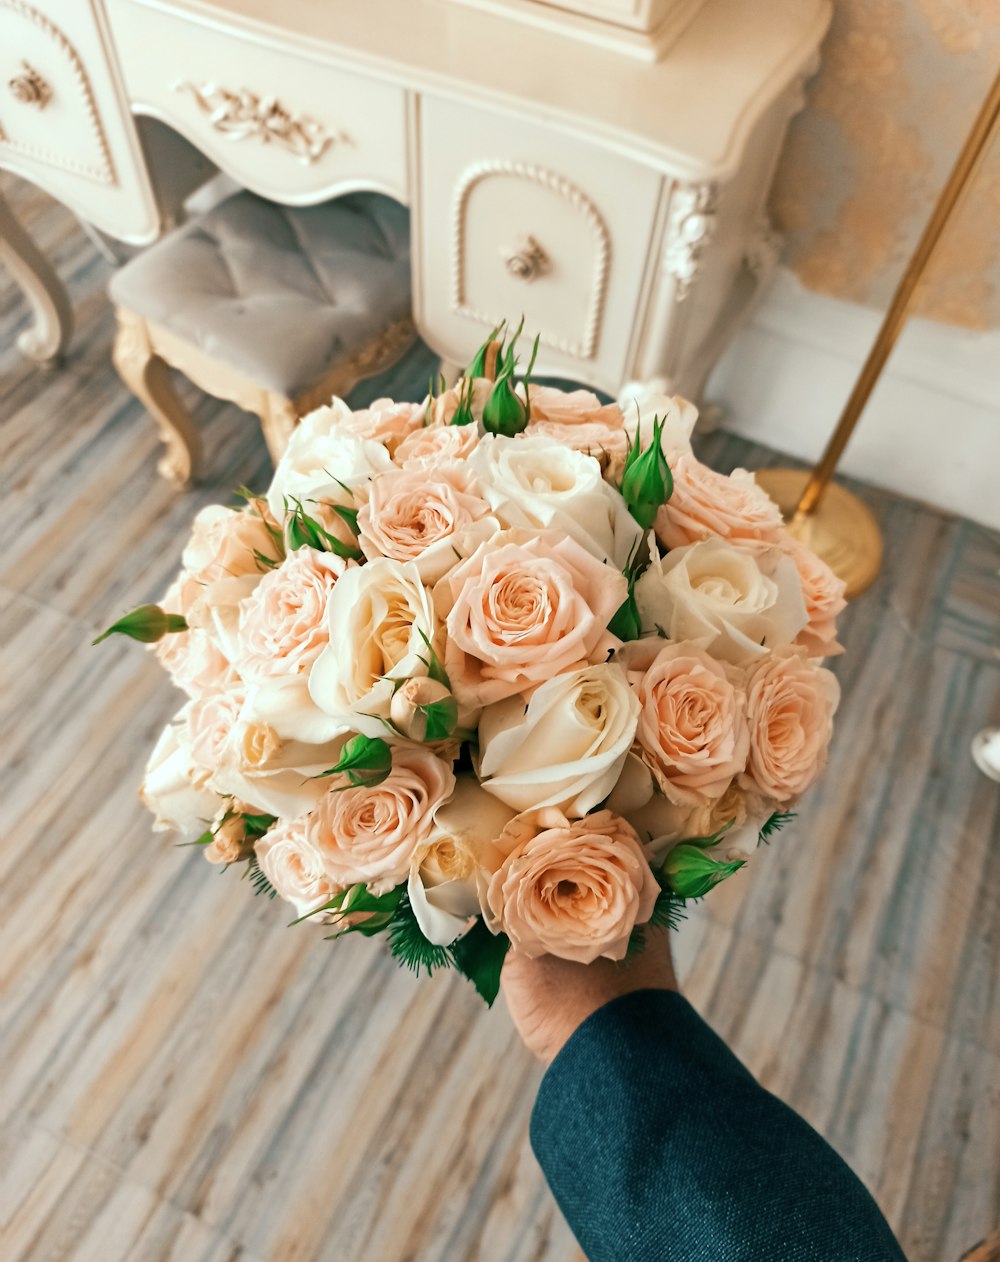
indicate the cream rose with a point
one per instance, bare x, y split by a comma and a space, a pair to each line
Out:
208, 725
279, 776
536, 483
224, 542
424, 516
692, 729
742, 601
325, 461
705, 503
436, 444
371, 834
571, 889
175, 787
385, 421
216, 612
566, 748
643, 404
523, 608
294, 866
447, 869
790, 706
283, 623
823, 593
190, 658
579, 420
380, 620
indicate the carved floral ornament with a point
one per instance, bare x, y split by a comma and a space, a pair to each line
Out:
691, 226
244, 115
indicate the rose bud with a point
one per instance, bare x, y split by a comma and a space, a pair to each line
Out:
230, 842
691, 873
424, 710
147, 624
646, 482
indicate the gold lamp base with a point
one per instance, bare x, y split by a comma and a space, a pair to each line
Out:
840, 529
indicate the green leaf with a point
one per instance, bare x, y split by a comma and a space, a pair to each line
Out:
408, 945
379, 909
669, 910
258, 825
647, 482
365, 760
348, 515
773, 824
464, 414
691, 873
305, 531
435, 667
479, 956
147, 624
626, 624
260, 883
441, 718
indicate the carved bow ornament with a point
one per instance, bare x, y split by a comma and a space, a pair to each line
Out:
244, 115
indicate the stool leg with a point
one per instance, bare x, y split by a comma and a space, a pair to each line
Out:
146, 375
278, 417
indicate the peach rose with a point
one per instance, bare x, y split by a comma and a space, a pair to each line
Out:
436, 444
823, 593
578, 419
574, 890
705, 503
385, 421
522, 609
294, 866
692, 729
370, 834
191, 658
223, 542
419, 514
283, 627
208, 726
790, 707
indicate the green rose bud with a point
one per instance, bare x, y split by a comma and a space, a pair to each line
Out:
464, 414
148, 624
477, 365
691, 873
647, 482
625, 624
504, 412
423, 709
365, 760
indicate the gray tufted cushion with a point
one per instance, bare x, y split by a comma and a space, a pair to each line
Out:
278, 293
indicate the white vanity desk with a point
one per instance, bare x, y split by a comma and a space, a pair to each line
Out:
619, 204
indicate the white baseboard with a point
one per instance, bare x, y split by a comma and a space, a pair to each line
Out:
932, 427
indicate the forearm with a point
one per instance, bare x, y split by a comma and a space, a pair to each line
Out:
658, 1143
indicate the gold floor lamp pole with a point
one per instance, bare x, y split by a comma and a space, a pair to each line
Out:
821, 513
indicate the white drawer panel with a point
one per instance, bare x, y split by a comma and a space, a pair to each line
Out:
282, 124
62, 121
518, 219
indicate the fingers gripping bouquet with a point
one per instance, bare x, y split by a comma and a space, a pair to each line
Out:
507, 668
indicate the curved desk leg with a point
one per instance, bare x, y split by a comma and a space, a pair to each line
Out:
46, 340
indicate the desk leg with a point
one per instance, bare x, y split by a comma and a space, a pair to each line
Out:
46, 340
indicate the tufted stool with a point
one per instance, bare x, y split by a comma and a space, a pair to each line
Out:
275, 308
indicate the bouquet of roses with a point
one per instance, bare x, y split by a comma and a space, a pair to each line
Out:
506, 668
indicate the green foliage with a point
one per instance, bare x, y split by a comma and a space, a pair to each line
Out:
479, 956
626, 624
256, 877
365, 760
305, 531
435, 667
408, 945
669, 910
440, 718
257, 825
463, 414
773, 824
147, 624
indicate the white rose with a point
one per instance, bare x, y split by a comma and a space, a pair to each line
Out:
323, 460
537, 483
175, 787
379, 615
566, 748
216, 611
276, 775
446, 871
741, 601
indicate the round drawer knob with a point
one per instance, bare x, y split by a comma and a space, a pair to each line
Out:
528, 261
30, 88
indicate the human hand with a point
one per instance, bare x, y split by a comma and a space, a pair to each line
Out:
549, 998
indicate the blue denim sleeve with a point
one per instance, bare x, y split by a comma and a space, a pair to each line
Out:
659, 1144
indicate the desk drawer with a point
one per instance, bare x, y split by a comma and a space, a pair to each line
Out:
287, 126
518, 219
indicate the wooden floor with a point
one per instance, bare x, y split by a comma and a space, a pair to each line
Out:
185, 1078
